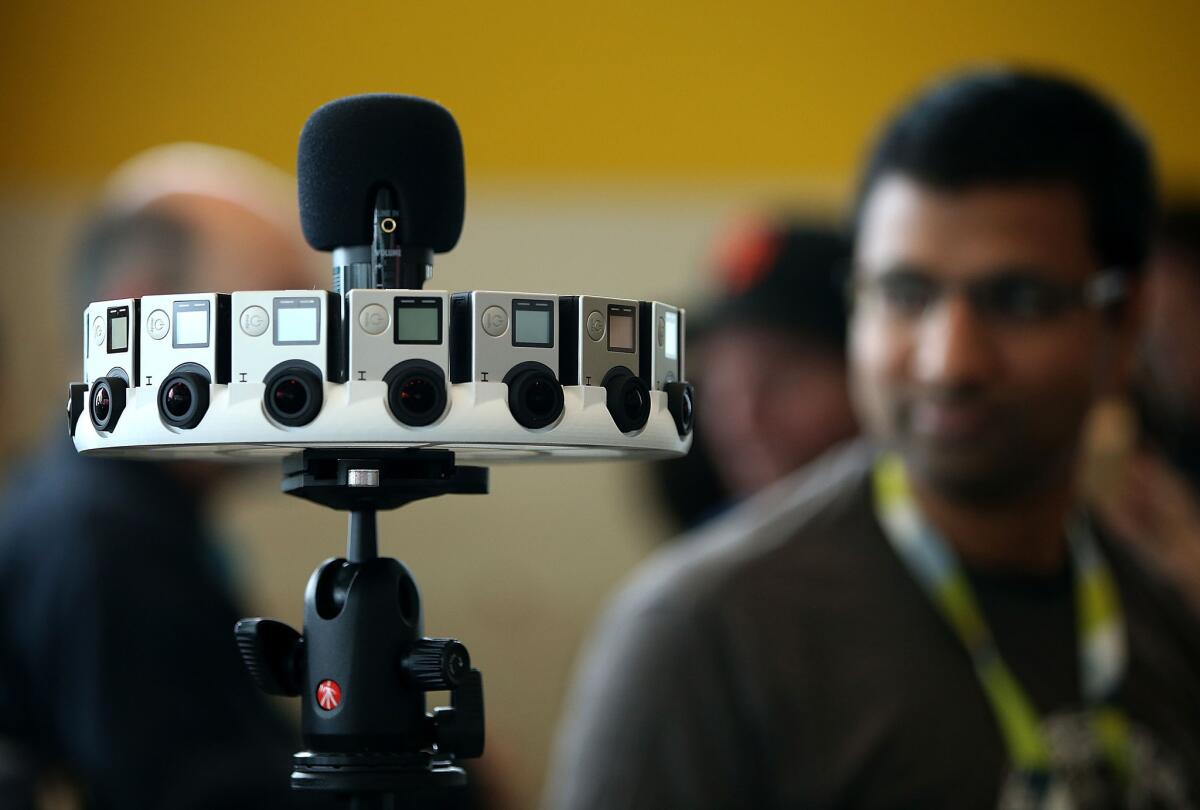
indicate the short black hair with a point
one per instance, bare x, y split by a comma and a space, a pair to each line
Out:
1016, 127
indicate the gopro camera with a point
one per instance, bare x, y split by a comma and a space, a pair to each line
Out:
662, 361
289, 340
110, 358
401, 338
600, 347
509, 338
184, 350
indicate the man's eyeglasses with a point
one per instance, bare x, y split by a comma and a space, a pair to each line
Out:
1013, 297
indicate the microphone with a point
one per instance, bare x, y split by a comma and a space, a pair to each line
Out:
381, 185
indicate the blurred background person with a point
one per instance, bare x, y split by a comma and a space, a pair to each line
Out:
767, 356
1155, 500
121, 685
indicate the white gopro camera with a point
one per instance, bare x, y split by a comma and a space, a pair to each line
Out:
600, 339
509, 338
184, 350
662, 360
402, 338
289, 340
110, 358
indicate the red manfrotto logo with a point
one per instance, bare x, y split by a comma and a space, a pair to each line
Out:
329, 694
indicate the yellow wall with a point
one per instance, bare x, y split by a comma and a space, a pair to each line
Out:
605, 142
696, 89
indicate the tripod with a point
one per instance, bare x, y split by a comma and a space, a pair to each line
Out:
362, 666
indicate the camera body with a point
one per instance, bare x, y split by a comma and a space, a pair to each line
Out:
662, 343
289, 340
110, 358
601, 338
110, 340
184, 350
402, 337
510, 338
662, 360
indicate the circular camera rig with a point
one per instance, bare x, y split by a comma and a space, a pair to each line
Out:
491, 376
371, 393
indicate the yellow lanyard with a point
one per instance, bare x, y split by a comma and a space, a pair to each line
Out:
1102, 648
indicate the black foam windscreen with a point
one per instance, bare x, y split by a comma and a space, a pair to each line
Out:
352, 147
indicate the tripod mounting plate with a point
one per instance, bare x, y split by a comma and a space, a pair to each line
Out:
357, 479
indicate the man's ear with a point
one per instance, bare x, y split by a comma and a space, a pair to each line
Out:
1124, 324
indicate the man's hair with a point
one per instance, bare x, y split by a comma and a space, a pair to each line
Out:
155, 244
1009, 127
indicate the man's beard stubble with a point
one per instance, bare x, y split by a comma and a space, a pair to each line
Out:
1006, 468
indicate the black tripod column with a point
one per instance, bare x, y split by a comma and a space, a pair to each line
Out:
363, 534
362, 617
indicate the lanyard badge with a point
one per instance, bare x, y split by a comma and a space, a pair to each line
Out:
1101, 635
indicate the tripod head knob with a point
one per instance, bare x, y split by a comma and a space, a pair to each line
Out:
272, 652
436, 664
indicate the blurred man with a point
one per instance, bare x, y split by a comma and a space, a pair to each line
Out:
1157, 504
119, 668
768, 358
929, 621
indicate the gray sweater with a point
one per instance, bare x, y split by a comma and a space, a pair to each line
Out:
783, 657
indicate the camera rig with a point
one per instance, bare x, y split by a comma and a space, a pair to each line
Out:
371, 394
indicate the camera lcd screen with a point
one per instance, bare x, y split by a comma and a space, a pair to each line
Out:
418, 320
671, 335
620, 328
297, 321
533, 323
118, 329
191, 325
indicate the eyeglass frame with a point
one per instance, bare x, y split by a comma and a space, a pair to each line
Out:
1101, 291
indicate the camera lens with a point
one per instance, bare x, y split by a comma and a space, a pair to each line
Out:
416, 392
106, 402
294, 393
417, 395
290, 396
681, 402
535, 397
686, 413
634, 401
628, 399
101, 405
177, 400
183, 397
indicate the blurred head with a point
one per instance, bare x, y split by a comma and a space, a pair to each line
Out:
194, 218
773, 394
1001, 226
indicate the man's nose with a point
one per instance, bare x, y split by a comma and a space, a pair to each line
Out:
955, 346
